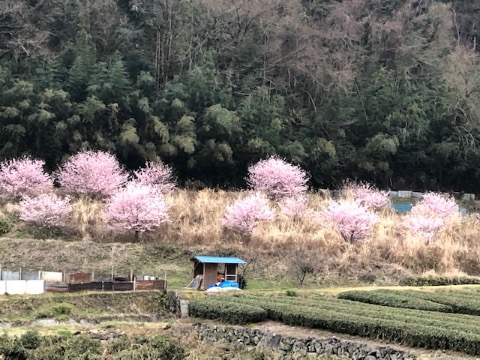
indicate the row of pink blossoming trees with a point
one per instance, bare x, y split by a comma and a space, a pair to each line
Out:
134, 203
279, 190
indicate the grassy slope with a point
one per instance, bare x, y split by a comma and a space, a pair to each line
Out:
57, 255
81, 305
269, 270
141, 258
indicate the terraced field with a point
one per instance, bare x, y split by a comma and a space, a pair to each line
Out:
431, 320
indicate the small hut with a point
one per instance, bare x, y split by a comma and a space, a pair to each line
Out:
206, 270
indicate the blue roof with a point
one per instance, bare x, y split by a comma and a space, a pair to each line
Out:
219, 260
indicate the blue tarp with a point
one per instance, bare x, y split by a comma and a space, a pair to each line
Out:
225, 284
404, 208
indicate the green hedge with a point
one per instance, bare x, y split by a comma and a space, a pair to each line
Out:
462, 322
231, 312
453, 302
397, 300
439, 281
460, 302
417, 328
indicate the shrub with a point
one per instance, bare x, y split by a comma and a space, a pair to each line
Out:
242, 281
137, 208
35, 347
58, 311
156, 174
244, 214
227, 311
5, 226
11, 349
30, 340
93, 173
82, 345
23, 177
45, 209
353, 220
277, 178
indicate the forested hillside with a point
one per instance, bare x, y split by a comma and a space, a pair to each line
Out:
383, 91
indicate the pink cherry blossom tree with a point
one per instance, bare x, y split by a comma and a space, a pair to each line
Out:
369, 196
93, 173
136, 208
353, 220
45, 210
245, 214
23, 177
429, 216
277, 178
426, 227
293, 206
437, 205
156, 174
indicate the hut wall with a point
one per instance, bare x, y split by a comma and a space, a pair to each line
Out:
209, 275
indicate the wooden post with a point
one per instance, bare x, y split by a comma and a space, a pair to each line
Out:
93, 276
1, 273
113, 249
20, 274
131, 279
165, 281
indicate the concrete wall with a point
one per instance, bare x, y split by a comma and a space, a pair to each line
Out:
21, 287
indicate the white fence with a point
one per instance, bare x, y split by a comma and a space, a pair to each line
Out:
22, 287
49, 276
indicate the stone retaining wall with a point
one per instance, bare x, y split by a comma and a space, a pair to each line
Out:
245, 338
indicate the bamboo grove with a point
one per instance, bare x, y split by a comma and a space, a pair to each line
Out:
381, 91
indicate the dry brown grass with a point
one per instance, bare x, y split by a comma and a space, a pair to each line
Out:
196, 221
87, 219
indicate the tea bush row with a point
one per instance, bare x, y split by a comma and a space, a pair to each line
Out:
469, 323
233, 313
454, 302
415, 328
439, 281
397, 300
462, 303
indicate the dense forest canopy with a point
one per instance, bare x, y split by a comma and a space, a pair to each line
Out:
376, 90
